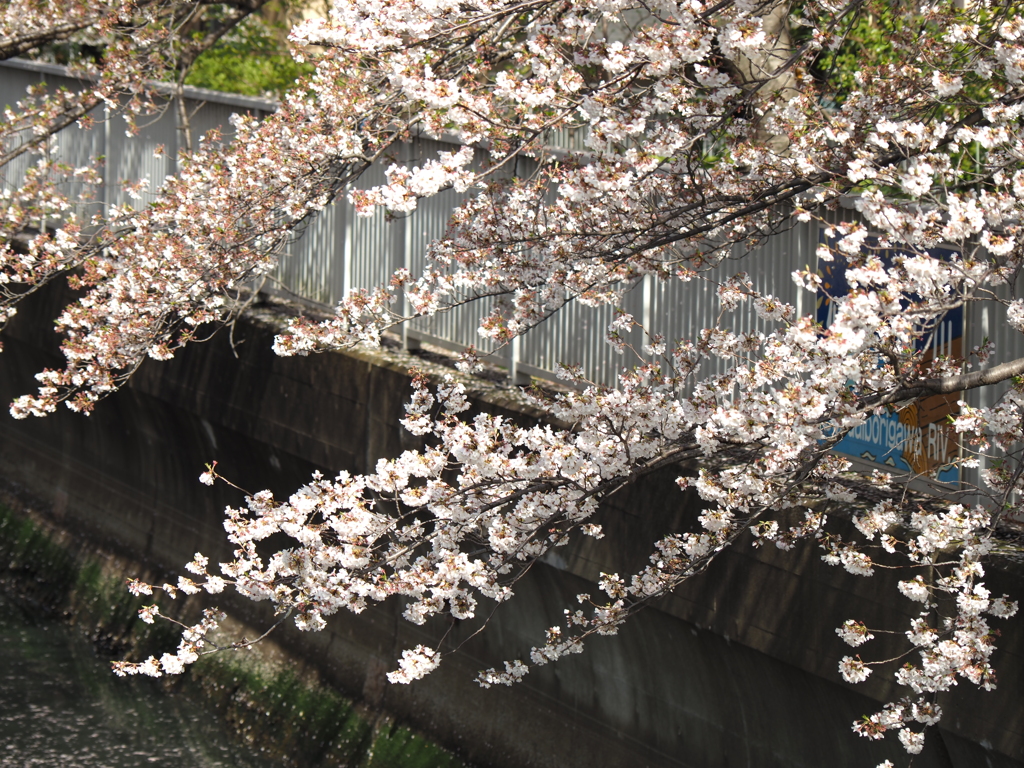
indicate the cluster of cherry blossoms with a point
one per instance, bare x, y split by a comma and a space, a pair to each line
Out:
696, 131
193, 638
961, 643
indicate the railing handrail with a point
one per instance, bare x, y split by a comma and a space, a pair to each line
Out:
164, 89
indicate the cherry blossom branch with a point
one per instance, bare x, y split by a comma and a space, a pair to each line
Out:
950, 384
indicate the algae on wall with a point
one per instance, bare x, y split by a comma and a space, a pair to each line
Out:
295, 718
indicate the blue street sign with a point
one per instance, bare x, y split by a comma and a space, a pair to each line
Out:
918, 438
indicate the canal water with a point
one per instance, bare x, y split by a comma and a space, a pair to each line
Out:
60, 705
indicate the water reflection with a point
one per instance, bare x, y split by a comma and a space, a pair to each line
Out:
61, 706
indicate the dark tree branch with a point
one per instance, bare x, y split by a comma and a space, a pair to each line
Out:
948, 384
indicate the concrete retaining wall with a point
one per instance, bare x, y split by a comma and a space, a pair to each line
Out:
738, 669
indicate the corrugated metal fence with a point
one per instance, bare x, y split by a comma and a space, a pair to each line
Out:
338, 251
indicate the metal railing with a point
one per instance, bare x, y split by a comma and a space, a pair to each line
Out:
338, 251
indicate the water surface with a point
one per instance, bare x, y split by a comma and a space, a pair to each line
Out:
60, 705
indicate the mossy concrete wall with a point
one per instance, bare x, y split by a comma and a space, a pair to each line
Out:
737, 669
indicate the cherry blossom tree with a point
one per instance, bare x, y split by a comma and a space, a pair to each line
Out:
707, 128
